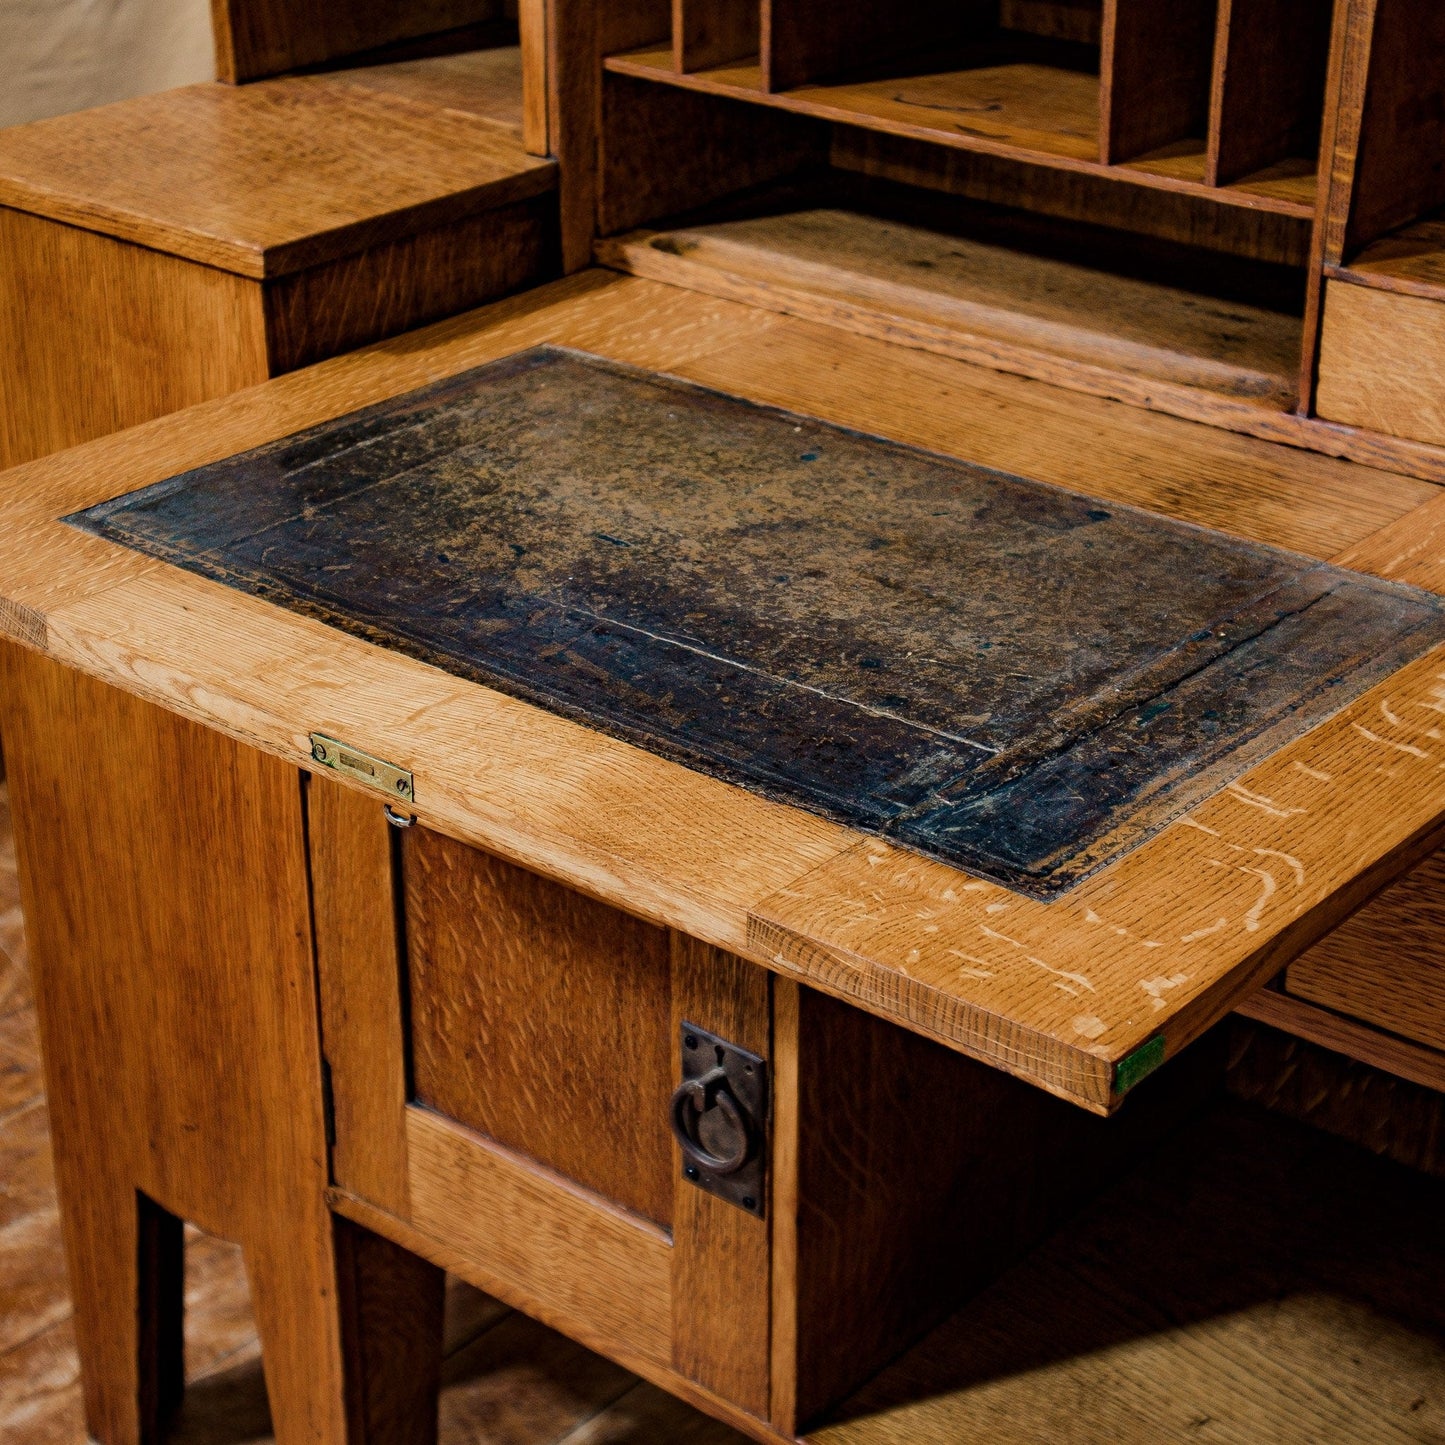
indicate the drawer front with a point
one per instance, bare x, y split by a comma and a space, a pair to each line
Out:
1386, 964
503, 1052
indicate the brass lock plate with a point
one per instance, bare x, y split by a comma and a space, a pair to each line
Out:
720, 1119
396, 783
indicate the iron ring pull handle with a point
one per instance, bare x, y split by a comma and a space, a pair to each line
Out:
693, 1098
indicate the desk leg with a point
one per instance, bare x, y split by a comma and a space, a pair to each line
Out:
168, 913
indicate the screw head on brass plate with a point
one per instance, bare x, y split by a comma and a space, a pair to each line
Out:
374, 772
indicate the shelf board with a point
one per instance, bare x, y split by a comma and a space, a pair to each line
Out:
979, 297
1024, 111
1410, 261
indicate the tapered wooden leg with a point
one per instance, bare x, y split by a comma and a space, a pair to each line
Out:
294, 1300
167, 911
126, 1267
391, 1330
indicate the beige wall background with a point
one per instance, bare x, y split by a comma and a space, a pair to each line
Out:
61, 55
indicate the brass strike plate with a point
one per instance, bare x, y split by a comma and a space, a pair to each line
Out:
376, 773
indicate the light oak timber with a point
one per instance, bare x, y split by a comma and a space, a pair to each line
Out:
511, 978
1062, 992
358, 967
172, 248
621, 824
131, 332
479, 1270
490, 84
224, 1125
820, 287
211, 172
591, 1266
1305, 1020
1411, 549
976, 298
1381, 354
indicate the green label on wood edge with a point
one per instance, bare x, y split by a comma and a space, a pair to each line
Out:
1139, 1065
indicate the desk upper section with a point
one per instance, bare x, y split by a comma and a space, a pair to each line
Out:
1154, 945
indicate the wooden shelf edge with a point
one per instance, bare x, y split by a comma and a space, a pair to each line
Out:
799, 103
629, 254
1383, 281
1406, 1060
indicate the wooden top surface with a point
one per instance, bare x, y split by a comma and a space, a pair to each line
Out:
1014, 679
273, 177
1154, 946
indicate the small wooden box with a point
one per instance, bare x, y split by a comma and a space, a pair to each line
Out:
166, 250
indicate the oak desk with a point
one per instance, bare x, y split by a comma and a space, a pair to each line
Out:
508, 991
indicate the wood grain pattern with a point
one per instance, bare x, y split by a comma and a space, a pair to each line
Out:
920, 1177
1155, 72
564, 1255
1384, 965
601, 816
928, 741
720, 1264
1380, 353
387, 289
1018, 111
256, 38
1410, 260
99, 335
1367, 1046
1267, 94
129, 933
359, 975
542, 1019
979, 298
1280, 832
210, 172
390, 1306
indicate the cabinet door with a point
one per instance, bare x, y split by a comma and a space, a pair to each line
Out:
503, 1051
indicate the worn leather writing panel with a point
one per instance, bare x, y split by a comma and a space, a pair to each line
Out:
1014, 678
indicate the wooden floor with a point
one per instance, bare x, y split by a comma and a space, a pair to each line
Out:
1255, 1281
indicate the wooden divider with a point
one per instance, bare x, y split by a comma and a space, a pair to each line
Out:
1267, 96
712, 32
1399, 173
1155, 73
808, 40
